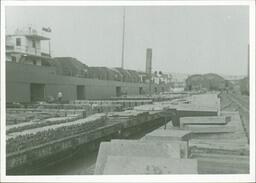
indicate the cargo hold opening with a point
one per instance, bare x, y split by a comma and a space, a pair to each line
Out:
80, 92
118, 91
37, 91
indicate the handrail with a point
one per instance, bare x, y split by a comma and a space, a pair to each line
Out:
26, 49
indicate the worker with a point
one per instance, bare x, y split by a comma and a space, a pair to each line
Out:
60, 95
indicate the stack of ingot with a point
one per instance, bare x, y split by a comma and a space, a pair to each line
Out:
49, 112
40, 123
17, 116
88, 107
124, 103
65, 106
105, 107
132, 117
154, 97
33, 137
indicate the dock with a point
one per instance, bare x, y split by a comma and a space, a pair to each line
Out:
190, 132
200, 145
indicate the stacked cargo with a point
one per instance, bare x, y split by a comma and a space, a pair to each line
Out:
106, 107
24, 115
196, 144
16, 119
64, 129
47, 112
40, 123
88, 107
132, 117
154, 98
64, 106
37, 136
124, 103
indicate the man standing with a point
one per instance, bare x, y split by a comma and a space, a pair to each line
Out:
60, 95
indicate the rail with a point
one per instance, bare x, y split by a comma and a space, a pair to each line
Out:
243, 111
27, 50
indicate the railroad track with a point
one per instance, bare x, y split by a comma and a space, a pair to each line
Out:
243, 107
244, 104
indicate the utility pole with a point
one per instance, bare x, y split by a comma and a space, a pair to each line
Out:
122, 64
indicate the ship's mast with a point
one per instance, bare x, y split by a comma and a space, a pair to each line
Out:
122, 64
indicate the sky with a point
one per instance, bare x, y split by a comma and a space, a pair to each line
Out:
184, 39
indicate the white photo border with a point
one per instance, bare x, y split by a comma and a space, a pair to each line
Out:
128, 178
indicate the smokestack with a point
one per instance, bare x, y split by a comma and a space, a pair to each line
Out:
149, 66
149, 61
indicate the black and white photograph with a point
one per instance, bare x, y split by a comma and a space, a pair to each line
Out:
90, 89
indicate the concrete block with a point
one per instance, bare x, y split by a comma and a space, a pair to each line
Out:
219, 147
183, 145
210, 129
139, 149
171, 149
222, 164
204, 120
125, 165
169, 135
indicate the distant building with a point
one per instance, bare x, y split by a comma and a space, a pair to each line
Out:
244, 85
161, 78
207, 82
143, 77
24, 46
178, 84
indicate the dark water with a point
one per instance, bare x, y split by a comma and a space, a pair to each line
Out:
81, 163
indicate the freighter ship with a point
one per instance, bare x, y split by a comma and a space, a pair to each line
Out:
32, 74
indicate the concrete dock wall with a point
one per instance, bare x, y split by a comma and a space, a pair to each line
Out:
19, 77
